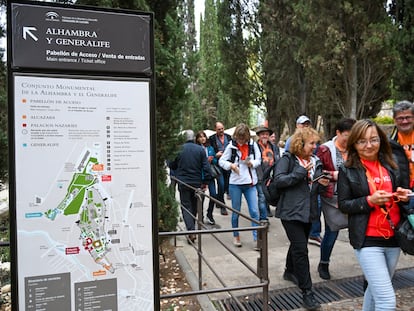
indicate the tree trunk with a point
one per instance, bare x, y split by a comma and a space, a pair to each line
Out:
353, 85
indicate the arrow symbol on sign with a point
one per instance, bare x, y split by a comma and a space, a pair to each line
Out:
28, 31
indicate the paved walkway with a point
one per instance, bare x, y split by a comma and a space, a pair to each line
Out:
343, 263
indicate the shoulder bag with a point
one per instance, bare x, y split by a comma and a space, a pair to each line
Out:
215, 170
335, 219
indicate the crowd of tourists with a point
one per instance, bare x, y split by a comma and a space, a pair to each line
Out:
360, 179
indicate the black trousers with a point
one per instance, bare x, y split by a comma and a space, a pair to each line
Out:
188, 206
297, 259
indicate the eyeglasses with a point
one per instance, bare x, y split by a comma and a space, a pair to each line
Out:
372, 141
401, 119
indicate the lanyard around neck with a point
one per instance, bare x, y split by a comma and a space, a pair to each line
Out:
311, 172
371, 180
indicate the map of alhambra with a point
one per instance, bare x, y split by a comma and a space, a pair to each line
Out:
84, 209
85, 198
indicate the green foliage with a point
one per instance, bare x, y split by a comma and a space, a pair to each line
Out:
334, 61
4, 236
172, 100
121, 4
402, 13
235, 83
384, 120
168, 211
209, 78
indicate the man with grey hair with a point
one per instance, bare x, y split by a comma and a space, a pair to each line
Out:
402, 141
192, 168
219, 142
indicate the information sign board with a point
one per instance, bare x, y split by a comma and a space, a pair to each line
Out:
83, 199
82, 183
52, 37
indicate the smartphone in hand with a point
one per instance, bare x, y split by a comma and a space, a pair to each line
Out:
323, 175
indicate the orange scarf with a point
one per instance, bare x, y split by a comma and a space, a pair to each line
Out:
267, 154
244, 149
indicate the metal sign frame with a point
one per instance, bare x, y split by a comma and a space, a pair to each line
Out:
81, 101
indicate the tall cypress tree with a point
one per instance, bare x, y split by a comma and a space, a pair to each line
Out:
209, 66
235, 85
282, 74
402, 12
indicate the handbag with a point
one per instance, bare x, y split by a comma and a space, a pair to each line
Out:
404, 234
335, 219
215, 170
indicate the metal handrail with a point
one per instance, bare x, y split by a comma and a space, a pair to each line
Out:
262, 262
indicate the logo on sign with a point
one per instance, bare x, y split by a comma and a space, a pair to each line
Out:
52, 16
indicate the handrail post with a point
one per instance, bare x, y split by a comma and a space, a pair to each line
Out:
199, 196
265, 265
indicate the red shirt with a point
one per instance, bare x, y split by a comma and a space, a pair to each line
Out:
379, 179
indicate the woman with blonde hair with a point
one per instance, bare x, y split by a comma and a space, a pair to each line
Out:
300, 179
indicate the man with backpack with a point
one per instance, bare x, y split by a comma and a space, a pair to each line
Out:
219, 142
269, 154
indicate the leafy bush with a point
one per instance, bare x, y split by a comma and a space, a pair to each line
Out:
167, 208
4, 237
384, 120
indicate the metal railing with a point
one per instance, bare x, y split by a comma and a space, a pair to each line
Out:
261, 271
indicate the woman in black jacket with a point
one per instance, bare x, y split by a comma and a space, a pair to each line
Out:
297, 208
369, 192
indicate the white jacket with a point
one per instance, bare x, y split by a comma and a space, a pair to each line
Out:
247, 175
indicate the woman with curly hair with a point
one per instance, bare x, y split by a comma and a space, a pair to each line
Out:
296, 177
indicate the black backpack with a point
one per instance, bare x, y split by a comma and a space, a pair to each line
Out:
234, 152
270, 191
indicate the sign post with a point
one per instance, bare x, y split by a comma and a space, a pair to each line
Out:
81, 123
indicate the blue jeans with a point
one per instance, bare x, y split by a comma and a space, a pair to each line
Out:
261, 201
378, 265
250, 194
220, 186
327, 244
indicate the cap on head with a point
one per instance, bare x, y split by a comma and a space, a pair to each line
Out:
263, 129
189, 135
302, 119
